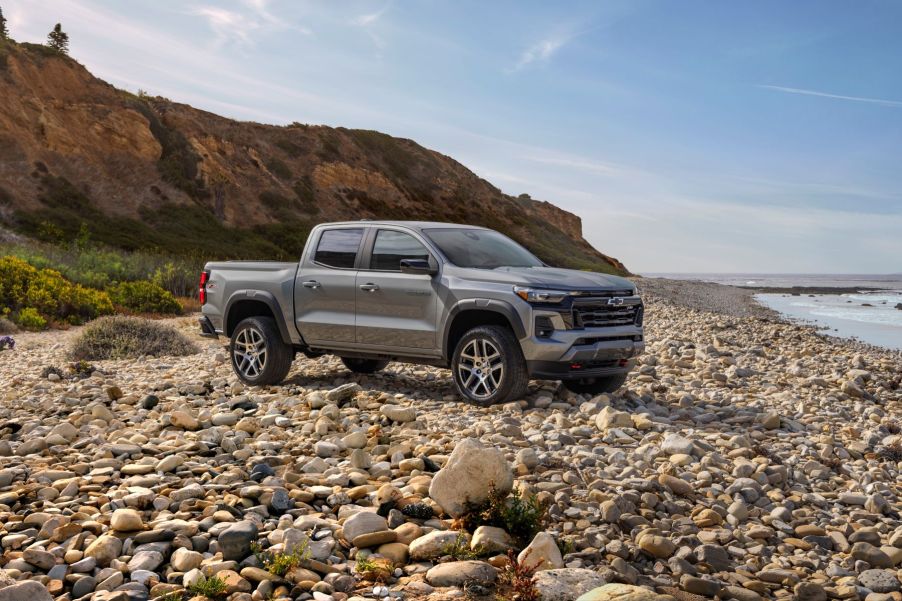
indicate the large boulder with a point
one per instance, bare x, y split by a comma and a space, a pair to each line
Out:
468, 477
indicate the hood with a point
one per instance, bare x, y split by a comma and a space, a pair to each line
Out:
548, 277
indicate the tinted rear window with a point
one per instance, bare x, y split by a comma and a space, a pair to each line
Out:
338, 248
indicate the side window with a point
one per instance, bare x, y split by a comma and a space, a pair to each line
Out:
391, 246
338, 248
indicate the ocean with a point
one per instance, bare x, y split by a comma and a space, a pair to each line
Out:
864, 308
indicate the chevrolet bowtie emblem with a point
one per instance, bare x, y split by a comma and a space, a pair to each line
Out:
615, 302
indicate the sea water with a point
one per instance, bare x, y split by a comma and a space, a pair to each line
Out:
870, 316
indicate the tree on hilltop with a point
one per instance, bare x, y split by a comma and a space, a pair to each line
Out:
4, 32
58, 40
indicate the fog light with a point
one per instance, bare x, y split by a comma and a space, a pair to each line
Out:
544, 328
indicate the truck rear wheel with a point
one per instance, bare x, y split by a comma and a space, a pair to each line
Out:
488, 366
259, 356
364, 366
596, 385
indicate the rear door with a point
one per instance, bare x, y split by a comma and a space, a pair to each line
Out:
325, 288
395, 309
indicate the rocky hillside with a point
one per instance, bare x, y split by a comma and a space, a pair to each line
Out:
77, 154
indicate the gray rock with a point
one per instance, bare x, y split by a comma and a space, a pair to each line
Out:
363, 522
235, 541
457, 573
29, 590
871, 554
879, 581
566, 584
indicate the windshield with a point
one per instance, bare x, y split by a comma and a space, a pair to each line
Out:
482, 249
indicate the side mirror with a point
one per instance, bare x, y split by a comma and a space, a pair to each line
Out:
417, 266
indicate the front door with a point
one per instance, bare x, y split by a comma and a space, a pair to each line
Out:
325, 289
396, 309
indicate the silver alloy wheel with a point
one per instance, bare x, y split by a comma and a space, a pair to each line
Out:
480, 368
249, 352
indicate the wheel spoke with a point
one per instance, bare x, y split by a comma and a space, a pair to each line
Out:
249, 352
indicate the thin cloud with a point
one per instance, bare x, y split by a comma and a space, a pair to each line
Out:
226, 24
803, 92
541, 52
370, 18
580, 164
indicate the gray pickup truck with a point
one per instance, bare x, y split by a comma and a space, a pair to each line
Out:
457, 296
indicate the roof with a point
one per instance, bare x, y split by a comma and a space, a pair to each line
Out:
417, 225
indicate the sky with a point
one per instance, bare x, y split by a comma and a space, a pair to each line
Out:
756, 137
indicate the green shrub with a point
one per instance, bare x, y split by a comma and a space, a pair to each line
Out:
30, 319
45, 293
144, 297
120, 337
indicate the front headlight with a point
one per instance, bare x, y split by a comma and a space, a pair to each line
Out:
539, 295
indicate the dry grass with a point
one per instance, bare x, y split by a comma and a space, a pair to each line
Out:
119, 337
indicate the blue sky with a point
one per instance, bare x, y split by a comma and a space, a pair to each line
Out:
689, 136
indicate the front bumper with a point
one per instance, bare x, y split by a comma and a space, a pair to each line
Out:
583, 353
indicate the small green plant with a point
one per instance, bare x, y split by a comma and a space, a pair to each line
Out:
517, 577
212, 587
522, 517
81, 369
460, 549
368, 568
279, 562
565, 546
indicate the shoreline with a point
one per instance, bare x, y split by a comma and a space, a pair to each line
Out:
739, 301
812, 290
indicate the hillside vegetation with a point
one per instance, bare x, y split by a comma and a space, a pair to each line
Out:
80, 159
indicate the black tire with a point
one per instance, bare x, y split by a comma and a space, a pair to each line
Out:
496, 385
596, 385
261, 335
364, 366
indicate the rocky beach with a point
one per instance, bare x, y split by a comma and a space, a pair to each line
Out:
746, 458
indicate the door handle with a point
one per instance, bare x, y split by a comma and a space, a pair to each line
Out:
369, 287
311, 284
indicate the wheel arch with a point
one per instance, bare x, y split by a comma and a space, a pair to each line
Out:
471, 313
250, 303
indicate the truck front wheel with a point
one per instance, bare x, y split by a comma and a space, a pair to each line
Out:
488, 366
259, 356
